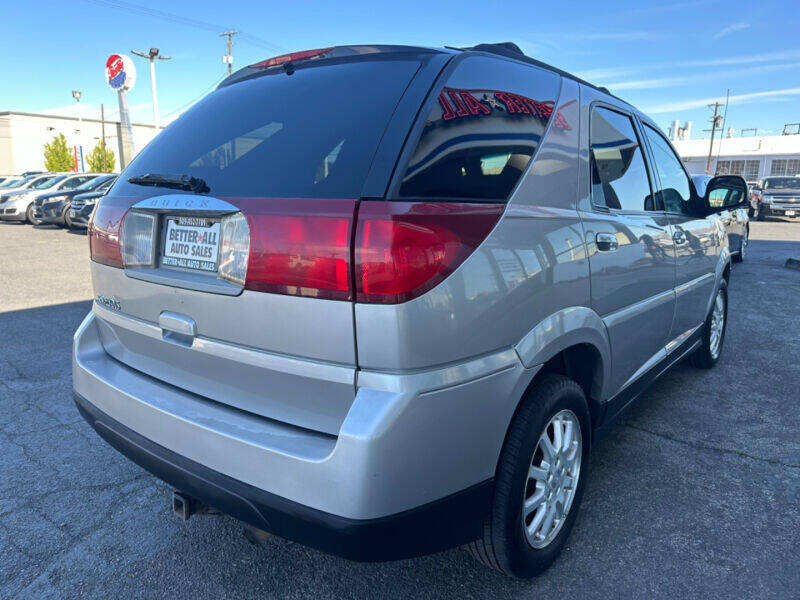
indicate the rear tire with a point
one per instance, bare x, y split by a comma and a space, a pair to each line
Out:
707, 355
526, 477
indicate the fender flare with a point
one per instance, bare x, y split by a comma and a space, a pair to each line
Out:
567, 327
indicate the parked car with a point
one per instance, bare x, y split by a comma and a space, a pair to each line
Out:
778, 197
9, 205
383, 325
732, 208
53, 207
10, 182
83, 205
25, 182
21, 205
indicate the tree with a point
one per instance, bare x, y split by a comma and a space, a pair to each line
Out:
57, 157
95, 159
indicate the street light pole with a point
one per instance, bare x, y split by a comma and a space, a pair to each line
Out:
77, 95
152, 56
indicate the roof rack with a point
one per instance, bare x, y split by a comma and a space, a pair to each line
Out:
511, 50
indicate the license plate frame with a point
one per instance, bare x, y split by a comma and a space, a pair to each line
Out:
193, 255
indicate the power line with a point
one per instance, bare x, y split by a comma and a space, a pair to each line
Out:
181, 20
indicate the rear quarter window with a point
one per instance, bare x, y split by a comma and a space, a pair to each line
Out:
480, 134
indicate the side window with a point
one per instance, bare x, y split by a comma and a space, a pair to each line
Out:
74, 182
619, 176
482, 131
674, 182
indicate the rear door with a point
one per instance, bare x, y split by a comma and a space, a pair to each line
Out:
632, 259
697, 243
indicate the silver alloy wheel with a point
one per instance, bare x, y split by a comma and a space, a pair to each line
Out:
717, 325
745, 240
552, 479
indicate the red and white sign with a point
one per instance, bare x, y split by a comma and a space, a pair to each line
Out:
120, 72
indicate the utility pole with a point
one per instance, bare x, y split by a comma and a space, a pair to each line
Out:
716, 121
228, 58
103, 134
152, 56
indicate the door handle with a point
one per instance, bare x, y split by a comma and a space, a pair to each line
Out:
177, 329
606, 242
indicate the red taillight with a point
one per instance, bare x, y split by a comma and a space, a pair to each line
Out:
304, 246
104, 230
403, 249
291, 57
299, 246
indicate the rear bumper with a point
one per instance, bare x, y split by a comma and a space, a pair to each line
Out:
445, 523
409, 472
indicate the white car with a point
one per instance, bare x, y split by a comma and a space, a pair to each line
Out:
17, 205
24, 182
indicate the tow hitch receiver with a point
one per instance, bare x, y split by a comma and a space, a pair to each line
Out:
182, 505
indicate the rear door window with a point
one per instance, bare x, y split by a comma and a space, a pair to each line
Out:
311, 134
619, 175
482, 131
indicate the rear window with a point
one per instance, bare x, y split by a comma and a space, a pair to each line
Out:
482, 131
311, 134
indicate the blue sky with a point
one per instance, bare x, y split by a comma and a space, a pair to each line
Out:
668, 58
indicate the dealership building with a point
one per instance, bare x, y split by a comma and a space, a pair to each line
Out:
23, 136
752, 157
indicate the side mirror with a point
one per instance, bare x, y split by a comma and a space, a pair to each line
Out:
725, 192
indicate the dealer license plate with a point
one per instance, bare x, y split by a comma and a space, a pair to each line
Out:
191, 243
789, 213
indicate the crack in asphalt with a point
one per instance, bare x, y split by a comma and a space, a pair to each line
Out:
701, 446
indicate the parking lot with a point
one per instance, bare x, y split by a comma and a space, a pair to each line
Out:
694, 493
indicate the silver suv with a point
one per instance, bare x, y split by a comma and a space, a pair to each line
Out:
382, 300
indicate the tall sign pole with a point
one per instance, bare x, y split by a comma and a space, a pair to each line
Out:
103, 134
121, 76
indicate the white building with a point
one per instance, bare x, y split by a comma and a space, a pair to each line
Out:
752, 157
23, 136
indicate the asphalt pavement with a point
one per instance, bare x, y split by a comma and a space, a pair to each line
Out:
695, 493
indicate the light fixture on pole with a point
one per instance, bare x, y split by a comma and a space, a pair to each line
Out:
152, 56
77, 95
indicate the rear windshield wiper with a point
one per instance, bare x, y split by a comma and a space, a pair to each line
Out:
176, 182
